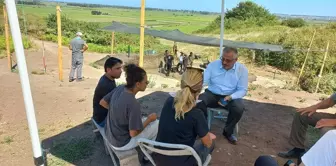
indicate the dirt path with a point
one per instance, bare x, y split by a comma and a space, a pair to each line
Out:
63, 111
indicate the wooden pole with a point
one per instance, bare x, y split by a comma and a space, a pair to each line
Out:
59, 32
43, 55
253, 56
112, 43
142, 33
9, 58
321, 71
304, 63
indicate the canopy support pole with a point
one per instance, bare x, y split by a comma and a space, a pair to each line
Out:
222, 31
142, 33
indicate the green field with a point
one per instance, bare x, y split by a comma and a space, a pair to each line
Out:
186, 22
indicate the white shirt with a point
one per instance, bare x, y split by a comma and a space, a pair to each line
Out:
181, 58
323, 153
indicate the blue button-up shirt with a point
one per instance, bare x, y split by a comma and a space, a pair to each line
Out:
232, 82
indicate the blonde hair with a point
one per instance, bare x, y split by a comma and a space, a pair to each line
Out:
191, 86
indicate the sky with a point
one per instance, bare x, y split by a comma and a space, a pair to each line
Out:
300, 7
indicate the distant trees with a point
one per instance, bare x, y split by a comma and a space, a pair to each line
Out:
34, 2
127, 7
294, 22
244, 15
95, 12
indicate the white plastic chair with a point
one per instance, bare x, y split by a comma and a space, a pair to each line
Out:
147, 146
224, 113
109, 149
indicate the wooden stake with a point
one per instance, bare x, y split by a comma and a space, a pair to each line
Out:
253, 56
59, 32
112, 43
9, 57
43, 55
142, 33
304, 63
321, 71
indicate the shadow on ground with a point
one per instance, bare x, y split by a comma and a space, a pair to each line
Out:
261, 132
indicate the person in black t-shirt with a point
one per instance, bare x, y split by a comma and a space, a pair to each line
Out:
169, 63
181, 122
113, 70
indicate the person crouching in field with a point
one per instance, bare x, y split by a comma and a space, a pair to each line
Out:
113, 70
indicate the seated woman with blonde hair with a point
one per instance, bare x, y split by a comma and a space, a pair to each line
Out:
181, 122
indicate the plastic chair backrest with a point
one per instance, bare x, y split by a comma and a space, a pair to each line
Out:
181, 150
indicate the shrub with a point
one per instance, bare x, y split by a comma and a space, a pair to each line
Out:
96, 12
246, 14
294, 22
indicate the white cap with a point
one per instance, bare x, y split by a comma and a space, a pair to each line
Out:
79, 34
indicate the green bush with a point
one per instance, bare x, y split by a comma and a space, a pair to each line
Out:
246, 14
26, 43
292, 59
294, 22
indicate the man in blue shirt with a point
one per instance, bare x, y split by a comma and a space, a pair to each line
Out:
227, 82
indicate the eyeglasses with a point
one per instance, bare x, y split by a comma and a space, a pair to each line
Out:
227, 60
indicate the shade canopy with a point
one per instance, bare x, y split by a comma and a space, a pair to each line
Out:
178, 36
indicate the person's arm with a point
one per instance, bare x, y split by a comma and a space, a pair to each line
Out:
207, 75
331, 101
135, 123
85, 47
202, 129
321, 105
105, 102
242, 84
151, 118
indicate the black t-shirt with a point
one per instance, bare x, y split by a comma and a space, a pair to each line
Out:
183, 131
169, 59
105, 86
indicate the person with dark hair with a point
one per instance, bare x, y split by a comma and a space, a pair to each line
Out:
113, 70
169, 59
180, 63
124, 125
227, 82
165, 59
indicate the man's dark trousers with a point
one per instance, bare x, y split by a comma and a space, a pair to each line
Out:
236, 108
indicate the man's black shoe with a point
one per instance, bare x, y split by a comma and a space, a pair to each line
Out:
231, 138
294, 153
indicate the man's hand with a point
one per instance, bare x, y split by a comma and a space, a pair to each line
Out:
310, 110
326, 123
152, 117
212, 136
228, 98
